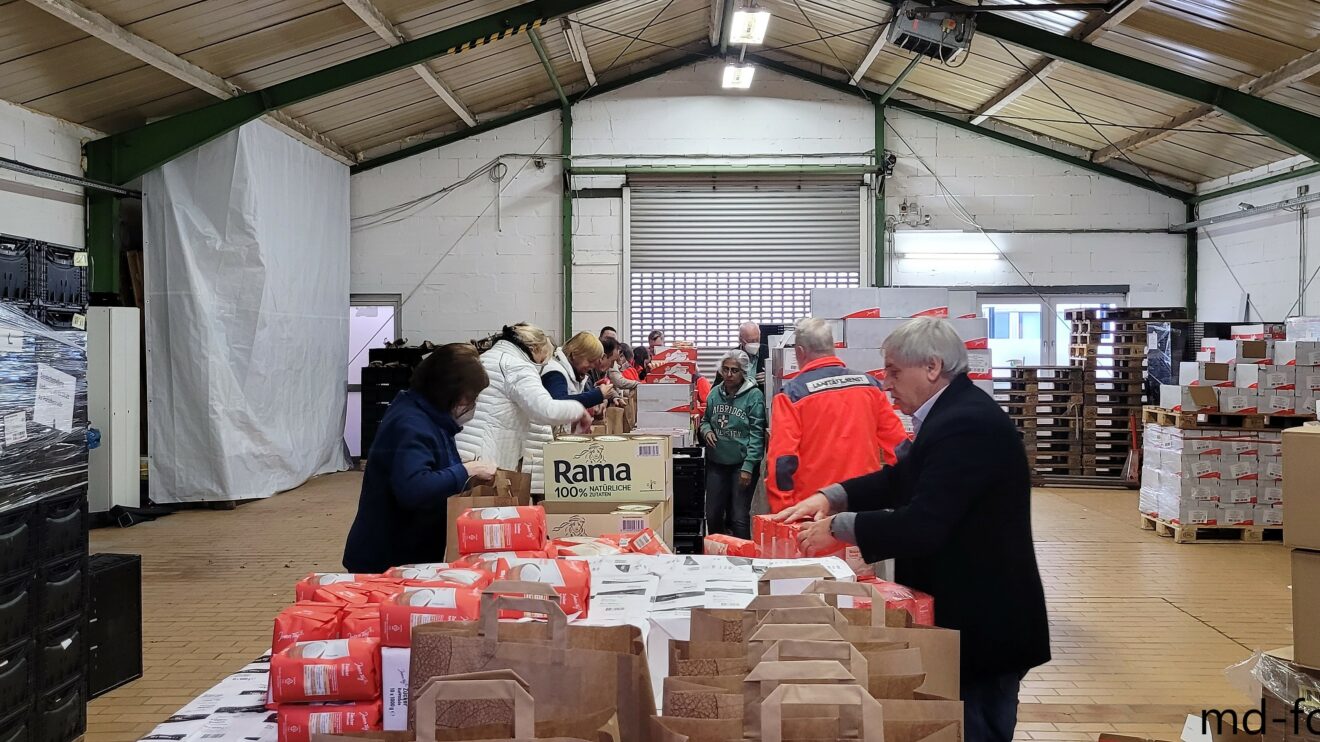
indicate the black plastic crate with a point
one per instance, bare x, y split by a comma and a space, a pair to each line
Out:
16, 269
60, 284
687, 544
16, 674
16, 602
61, 526
57, 318
114, 626
18, 541
60, 591
17, 726
408, 356
61, 654
61, 715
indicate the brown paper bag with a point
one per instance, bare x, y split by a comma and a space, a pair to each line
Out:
720, 666
615, 422
804, 572
824, 702
877, 615
896, 674
585, 679
767, 676
630, 413
796, 650
507, 489
940, 654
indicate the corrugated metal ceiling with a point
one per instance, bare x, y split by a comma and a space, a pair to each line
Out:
48, 65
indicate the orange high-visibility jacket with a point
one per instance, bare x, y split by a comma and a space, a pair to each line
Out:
828, 424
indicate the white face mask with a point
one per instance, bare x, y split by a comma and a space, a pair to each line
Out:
465, 417
752, 349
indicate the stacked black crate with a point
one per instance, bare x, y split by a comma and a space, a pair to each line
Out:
60, 286
388, 373
16, 270
689, 500
43, 530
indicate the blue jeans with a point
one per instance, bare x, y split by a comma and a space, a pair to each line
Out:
728, 503
990, 707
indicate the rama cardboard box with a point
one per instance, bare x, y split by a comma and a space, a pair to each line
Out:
566, 519
845, 303
1306, 605
1301, 487
1199, 373
608, 468
1188, 398
914, 302
1265, 376
1297, 352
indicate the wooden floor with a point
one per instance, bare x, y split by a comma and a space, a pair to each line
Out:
1142, 628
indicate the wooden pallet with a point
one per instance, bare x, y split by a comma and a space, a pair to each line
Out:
1183, 534
1114, 375
1108, 399
1214, 420
1020, 396
1109, 350
1038, 423
1121, 314
1102, 364
1034, 372
1100, 336
1104, 460
1039, 409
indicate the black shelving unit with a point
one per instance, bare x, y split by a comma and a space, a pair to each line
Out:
689, 500
114, 623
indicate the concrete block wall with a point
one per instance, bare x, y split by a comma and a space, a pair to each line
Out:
1258, 256
32, 207
492, 277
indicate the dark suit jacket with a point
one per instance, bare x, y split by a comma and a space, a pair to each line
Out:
955, 514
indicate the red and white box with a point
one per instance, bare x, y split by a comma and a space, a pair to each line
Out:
305, 621
962, 304
1198, 373
307, 586
1269, 493
919, 605
1277, 403
725, 545
1230, 515
1237, 493
297, 722
1240, 468
974, 332
663, 398
869, 361
421, 605
914, 302
1297, 352
501, 529
845, 303
1265, 377
1244, 351
1269, 515
1269, 331
1189, 398
414, 575
1238, 401
1308, 379
326, 670
979, 363
1271, 468
672, 373
490, 560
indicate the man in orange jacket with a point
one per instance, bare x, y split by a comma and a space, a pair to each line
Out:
828, 423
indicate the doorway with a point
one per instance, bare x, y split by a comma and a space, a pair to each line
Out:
373, 320
1031, 329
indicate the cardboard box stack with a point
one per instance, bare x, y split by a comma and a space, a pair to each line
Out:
1261, 377
1207, 477
593, 483
1301, 532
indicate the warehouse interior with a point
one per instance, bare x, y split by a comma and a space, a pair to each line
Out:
250, 203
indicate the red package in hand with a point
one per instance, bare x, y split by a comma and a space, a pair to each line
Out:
726, 545
367, 592
298, 722
304, 622
571, 579
330, 670
763, 535
501, 529
307, 586
419, 605
359, 622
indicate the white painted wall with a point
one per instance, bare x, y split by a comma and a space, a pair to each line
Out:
491, 277
44, 141
1258, 255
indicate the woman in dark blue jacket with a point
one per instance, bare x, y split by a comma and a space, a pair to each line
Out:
413, 465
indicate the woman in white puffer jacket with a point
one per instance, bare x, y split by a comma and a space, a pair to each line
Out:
566, 376
501, 429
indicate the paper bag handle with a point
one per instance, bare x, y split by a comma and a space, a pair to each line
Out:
799, 572
519, 586
772, 708
437, 690
834, 588
491, 605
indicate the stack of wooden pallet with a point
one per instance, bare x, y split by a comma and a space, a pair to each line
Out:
1110, 346
1045, 403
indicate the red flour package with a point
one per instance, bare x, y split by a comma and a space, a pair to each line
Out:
646, 542
359, 622
365, 592
725, 545
418, 605
918, 604
489, 560
298, 722
304, 622
329, 670
501, 529
462, 576
571, 579
307, 586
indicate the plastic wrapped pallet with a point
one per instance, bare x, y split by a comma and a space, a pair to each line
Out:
43, 409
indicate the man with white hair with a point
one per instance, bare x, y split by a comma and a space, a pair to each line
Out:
955, 515
830, 423
749, 342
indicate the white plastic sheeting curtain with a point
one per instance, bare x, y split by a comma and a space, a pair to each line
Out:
247, 269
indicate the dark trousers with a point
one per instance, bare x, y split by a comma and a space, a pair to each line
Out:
990, 707
728, 503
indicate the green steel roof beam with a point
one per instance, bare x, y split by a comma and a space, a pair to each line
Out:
1039, 149
549, 68
513, 118
898, 81
726, 25
1248, 185
1287, 125
121, 157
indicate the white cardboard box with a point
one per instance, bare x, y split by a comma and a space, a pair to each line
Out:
1189, 398
845, 303
1269, 493
1244, 351
914, 302
1265, 377
667, 420
1278, 402
663, 397
962, 304
1238, 493
1237, 515
869, 333
1297, 352
394, 687
1237, 401
1269, 515
1308, 379
979, 363
1199, 373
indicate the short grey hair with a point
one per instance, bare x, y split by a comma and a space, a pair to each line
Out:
924, 340
740, 357
814, 336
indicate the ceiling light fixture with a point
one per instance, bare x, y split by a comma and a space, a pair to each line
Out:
738, 76
749, 26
